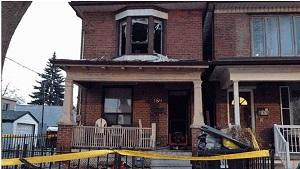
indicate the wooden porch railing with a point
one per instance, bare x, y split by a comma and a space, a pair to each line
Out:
114, 137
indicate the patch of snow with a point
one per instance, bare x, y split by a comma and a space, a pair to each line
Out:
52, 129
147, 58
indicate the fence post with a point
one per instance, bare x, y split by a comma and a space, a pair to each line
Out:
272, 159
25, 149
153, 126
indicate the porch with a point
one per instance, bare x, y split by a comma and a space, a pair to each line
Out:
123, 94
263, 97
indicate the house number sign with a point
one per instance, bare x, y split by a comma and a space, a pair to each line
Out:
157, 100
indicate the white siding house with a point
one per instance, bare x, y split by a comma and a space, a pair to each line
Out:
19, 122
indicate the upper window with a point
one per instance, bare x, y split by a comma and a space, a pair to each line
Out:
145, 35
118, 106
5, 107
140, 31
276, 36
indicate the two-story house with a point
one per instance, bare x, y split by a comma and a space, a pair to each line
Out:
140, 70
143, 63
255, 56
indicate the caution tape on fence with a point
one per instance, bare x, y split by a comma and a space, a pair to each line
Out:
145, 154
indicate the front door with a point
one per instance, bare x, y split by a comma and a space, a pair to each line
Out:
245, 109
178, 117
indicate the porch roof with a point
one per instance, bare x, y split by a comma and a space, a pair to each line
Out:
255, 69
63, 63
132, 71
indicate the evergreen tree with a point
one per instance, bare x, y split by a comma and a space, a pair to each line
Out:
49, 90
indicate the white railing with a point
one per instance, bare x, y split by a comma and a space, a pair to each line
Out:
282, 147
114, 137
291, 133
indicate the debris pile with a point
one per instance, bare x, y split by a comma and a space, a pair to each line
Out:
148, 58
232, 140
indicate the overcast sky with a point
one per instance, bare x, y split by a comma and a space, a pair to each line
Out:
46, 27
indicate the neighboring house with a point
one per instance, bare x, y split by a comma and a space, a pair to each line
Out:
51, 115
19, 122
146, 64
8, 103
256, 71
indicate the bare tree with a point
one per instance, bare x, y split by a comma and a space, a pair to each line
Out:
12, 92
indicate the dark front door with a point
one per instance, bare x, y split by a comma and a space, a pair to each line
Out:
178, 117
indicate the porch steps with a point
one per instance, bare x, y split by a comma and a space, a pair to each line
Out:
295, 161
176, 164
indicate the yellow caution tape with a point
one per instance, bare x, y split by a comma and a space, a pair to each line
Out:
152, 155
252, 154
59, 157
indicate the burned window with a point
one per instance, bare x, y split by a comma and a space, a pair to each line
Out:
157, 36
122, 40
145, 36
139, 35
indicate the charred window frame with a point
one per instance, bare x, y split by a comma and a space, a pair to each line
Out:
140, 35
117, 105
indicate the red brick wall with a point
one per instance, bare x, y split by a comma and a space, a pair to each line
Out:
144, 107
91, 104
266, 95
100, 35
64, 138
183, 36
221, 109
232, 36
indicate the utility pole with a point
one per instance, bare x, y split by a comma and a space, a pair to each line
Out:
43, 105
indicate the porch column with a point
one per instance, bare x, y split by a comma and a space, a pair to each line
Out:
198, 119
67, 116
236, 99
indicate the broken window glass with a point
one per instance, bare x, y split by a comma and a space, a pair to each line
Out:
122, 40
139, 35
157, 36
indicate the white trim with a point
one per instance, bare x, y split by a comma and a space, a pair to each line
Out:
257, 10
243, 89
141, 12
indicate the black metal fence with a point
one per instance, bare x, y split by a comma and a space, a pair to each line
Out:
21, 146
249, 163
116, 161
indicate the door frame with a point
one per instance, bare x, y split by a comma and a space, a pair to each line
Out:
188, 113
250, 90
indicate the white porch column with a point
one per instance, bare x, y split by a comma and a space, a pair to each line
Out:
198, 119
236, 98
66, 117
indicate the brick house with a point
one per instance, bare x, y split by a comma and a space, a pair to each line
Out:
185, 64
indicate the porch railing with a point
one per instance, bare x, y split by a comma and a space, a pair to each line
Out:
282, 147
114, 137
291, 133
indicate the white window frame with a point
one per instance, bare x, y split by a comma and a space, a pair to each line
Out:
294, 41
281, 108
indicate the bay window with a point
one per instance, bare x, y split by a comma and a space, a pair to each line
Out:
140, 35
